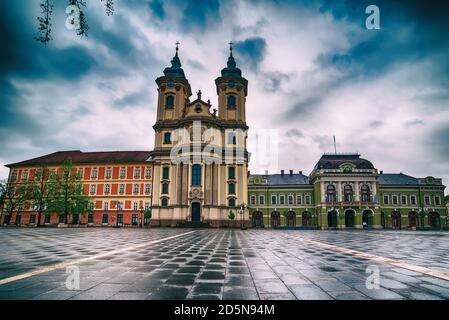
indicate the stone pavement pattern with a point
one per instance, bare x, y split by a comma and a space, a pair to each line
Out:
220, 264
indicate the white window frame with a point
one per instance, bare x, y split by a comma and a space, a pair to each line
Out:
134, 188
93, 189
147, 188
94, 174
262, 196
120, 187
252, 199
275, 199
107, 188
282, 203
308, 199
299, 197
292, 197
108, 173
137, 173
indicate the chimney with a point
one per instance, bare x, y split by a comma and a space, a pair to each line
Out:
300, 172
282, 172
291, 172
381, 172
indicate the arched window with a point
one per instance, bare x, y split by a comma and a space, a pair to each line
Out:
164, 202
331, 194
231, 202
232, 101
170, 102
196, 175
231, 188
365, 193
348, 193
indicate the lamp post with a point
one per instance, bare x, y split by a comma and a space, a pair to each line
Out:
118, 208
141, 217
242, 211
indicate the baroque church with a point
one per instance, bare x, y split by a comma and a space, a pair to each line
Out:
199, 157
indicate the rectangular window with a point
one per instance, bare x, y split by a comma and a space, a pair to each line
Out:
273, 199
108, 173
437, 201
47, 218
231, 188
413, 199
281, 199
147, 188
136, 173
167, 138
119, 206
93, 188
165, 188
403, 199
298, 199
121, 188
136, 188
395, 199
147, 206
25, 175
134, 219
106, 206
33, 219
165, 173
94, 174
119, 218
148, 173
13, 176
107, 188
105, 218
308, 199
252, 199
135, 206
290, 199
80, 173
122, 173
90, 218
231, 173
261, 199
427, 200
386, 199
232, 138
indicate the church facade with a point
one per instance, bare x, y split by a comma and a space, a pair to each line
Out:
197, 175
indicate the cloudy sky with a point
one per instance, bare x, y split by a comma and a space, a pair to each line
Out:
314, 71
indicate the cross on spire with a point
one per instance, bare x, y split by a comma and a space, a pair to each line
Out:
177, 45
230, 47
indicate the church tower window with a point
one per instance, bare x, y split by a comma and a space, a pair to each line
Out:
196, 175
167, 138
231, 173
165, 173
232, 101
170, 102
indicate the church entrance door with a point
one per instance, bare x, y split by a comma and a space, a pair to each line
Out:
196, 211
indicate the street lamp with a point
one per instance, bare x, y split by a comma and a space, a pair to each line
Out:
242, 211
118, 208
141, 217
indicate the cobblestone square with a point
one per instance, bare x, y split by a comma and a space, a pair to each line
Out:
159, 263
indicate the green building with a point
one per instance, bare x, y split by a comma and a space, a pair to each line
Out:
346, 191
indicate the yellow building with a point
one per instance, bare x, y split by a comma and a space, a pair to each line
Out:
199, 157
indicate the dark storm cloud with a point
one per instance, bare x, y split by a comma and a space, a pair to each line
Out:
410, 31
199, 14
157, 7
251, 51
439, 142
133, 99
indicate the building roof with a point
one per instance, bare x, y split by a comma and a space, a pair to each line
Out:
334, 161
397, 179
284, 179
78, 156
